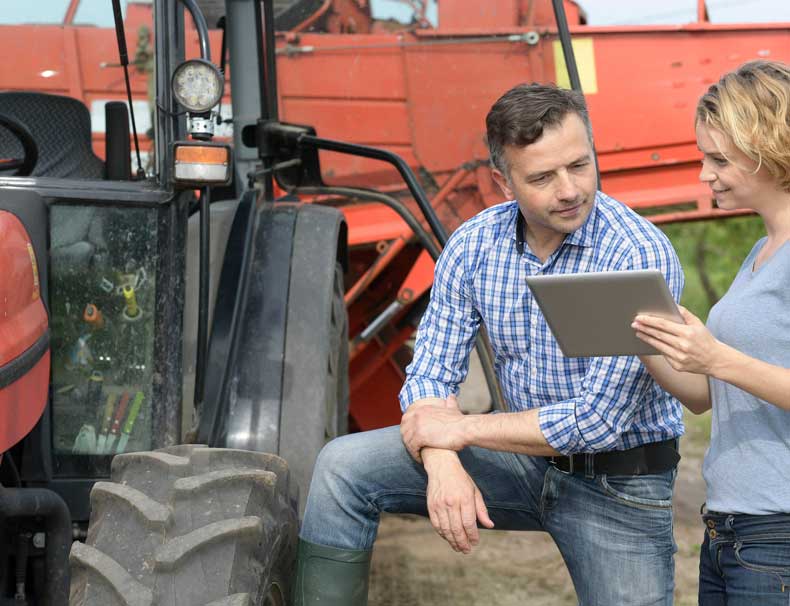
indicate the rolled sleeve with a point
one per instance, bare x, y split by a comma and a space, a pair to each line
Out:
613, 387
446, 333
592, 422
418, 388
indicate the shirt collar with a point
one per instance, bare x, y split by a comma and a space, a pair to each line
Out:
584, 236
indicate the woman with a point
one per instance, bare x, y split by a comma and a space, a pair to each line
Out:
740, 363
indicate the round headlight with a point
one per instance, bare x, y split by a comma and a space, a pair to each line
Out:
197, 85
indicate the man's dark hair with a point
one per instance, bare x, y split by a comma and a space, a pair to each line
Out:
520, 115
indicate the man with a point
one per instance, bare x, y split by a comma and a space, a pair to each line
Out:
607, 505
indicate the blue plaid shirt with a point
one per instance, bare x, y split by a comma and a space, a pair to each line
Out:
586, 404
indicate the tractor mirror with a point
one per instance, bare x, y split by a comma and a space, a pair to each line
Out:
295, 164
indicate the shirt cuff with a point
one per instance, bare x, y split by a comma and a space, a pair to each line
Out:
558, 425
417, 389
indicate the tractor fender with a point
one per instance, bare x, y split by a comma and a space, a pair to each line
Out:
277, 377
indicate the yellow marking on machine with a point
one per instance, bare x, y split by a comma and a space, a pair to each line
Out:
584, 52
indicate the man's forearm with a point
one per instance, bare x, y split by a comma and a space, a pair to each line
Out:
511, 432
445, 427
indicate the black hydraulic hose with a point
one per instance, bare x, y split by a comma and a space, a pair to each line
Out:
222, 24
123, 55
201, 26
41, 502
267, 79
483, 346
203, 299
386, 156
567, 47
570, 62
392, 202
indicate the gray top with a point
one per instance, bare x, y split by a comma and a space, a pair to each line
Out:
747, 467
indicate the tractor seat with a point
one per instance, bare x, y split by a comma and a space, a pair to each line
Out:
60, 126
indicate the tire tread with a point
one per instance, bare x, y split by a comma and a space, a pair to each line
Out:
207, 526
130, 591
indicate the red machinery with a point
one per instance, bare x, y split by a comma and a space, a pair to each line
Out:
24, 335
423, 92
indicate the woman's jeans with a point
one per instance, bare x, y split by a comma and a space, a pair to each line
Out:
745, 560
615, 533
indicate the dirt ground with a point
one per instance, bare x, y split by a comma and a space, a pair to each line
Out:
412, 566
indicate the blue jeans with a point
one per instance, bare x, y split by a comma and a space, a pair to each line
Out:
745, 560
614, 533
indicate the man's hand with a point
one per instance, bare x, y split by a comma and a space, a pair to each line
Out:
435, 425
454, 501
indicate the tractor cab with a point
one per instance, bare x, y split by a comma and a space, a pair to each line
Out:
95, 202
175, 338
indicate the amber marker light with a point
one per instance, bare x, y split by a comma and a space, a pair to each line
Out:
201, 163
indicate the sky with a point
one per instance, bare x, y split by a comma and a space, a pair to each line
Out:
633, 12
628, 12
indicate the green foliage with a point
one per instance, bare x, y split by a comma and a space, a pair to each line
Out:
697, 437
711, 253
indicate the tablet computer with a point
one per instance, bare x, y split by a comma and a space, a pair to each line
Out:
590, 314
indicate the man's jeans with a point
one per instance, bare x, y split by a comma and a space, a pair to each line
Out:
615, 533
745, 560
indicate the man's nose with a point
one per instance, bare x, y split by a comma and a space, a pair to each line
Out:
567, 190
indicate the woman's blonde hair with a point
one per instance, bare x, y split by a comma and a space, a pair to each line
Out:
752, 106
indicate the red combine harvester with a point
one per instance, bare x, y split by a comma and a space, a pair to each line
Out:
393, 159
423, 92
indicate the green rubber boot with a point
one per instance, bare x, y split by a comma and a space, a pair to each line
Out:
327, 576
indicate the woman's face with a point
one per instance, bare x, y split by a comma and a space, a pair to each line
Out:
731, 173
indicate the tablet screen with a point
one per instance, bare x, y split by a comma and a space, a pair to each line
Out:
590, 314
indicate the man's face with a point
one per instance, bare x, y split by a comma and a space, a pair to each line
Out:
553, 180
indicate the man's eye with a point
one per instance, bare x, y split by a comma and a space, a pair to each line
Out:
580, 164
539, 180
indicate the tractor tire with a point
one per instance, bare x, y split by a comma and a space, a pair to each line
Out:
188, 526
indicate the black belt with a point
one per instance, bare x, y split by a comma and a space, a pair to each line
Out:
656, 457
